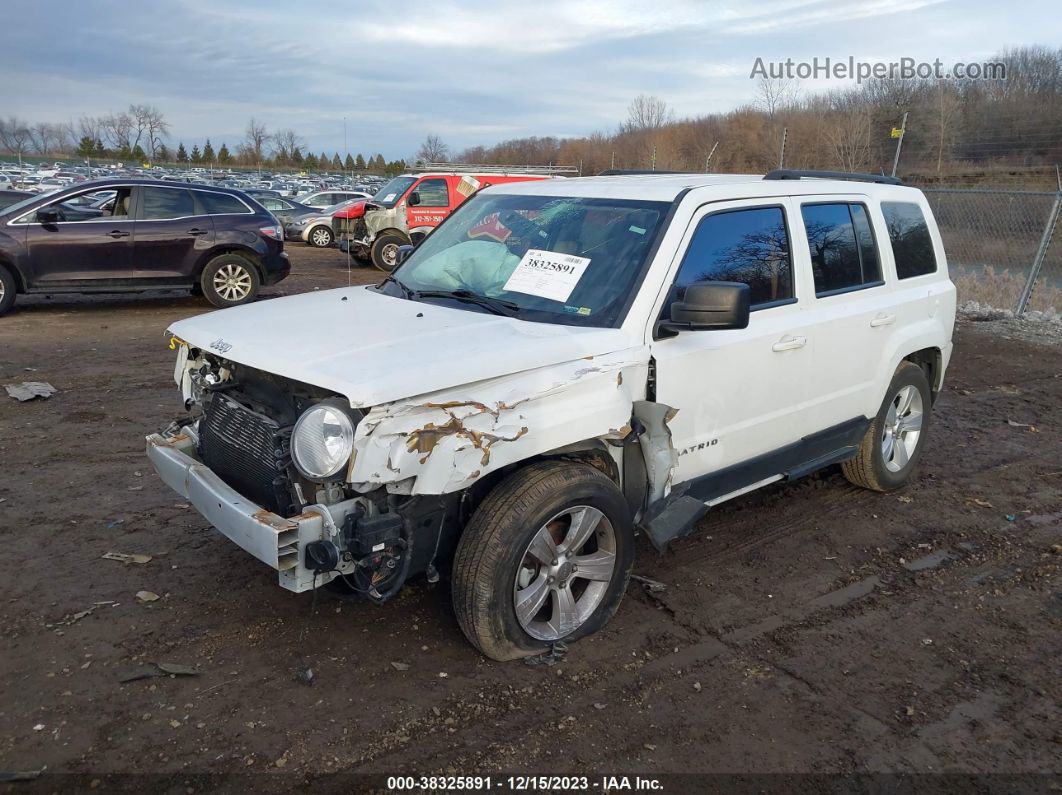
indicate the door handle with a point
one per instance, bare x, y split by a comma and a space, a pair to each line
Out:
197, 231
883, 320
790, 344
117, 233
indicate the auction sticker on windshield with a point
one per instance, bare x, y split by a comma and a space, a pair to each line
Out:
547, 274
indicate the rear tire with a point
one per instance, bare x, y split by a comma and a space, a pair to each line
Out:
546, 558
893, 444
384, 251
7, 290
320, 237
230, 280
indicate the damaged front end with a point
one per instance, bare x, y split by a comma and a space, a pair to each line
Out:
414, 469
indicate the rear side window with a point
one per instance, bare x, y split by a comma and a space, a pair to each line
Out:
433, 193
160, 204
841, 244
750, 246
223, 204
912, 247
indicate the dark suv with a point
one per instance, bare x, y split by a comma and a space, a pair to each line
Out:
149, 235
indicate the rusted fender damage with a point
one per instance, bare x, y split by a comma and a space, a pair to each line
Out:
444, 441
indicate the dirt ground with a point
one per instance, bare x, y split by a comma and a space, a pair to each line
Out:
806, 628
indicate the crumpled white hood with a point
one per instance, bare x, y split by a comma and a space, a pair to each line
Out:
373, 348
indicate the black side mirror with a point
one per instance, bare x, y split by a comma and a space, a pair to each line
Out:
414, 199
48, 215
403, 254
710, 305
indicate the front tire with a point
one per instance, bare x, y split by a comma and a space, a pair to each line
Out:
229, 280
384, 251
7, 290
893, 444
546, 558
320, 237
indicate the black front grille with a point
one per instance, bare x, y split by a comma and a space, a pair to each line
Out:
248, 451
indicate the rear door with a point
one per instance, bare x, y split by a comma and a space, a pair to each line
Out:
854, 310
86, 250
172, 233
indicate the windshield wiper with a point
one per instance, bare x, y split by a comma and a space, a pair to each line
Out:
497, 306
406, 292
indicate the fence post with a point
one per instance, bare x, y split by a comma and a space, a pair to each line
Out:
1041, 255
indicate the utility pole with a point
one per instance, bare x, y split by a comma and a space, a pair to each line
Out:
612, 166
899, 143
346, 152
781, 156
708, 159
653, 162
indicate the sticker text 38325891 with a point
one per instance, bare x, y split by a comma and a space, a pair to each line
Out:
547, 274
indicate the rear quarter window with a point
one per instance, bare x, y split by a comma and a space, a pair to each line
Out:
220, 203
912, 245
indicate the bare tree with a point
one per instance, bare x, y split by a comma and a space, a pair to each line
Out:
647, 113
118, 131
256, 136
433, 150
774, 93
15, 136
285, 143
90, 127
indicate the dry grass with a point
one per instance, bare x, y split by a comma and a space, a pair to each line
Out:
1002, 289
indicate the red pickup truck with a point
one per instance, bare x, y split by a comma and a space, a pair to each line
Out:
405, 210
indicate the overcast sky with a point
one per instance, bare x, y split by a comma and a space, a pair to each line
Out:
471, 72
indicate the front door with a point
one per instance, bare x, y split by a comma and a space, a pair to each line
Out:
171, 234
434, 205
741, 394
68, 252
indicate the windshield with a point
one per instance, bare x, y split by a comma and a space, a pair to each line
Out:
568, 260
390, 193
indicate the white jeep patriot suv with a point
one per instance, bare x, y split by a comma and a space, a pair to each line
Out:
560, 365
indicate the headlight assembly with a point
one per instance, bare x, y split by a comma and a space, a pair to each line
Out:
322, 441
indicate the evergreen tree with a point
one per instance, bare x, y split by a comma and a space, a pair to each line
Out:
223, 154
348, 164
379, 164
337, 164
182, 155
296, 156
208, 152
197, 156
310, 163
162, 154
101, 150
359, 162
138, 154
86, 147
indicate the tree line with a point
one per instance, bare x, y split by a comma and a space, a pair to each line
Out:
953, 127
141, 135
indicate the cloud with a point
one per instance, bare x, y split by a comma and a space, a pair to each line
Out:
473, 72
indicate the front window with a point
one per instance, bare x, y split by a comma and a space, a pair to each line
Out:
389, 194
567, 260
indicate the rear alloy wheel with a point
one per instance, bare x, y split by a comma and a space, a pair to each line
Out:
892, 445
320, 237
229, 280
385, 251
7, 290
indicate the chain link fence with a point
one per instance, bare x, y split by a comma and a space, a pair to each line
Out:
1000, 246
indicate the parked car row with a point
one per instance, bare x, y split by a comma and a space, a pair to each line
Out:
127, 235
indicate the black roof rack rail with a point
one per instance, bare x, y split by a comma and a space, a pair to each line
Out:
619, 172
790, 173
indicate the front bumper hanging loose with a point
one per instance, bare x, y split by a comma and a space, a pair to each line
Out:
276, 541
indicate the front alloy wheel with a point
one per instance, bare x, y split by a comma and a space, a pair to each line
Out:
320, 237
902, 428
545, 558
565, 573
